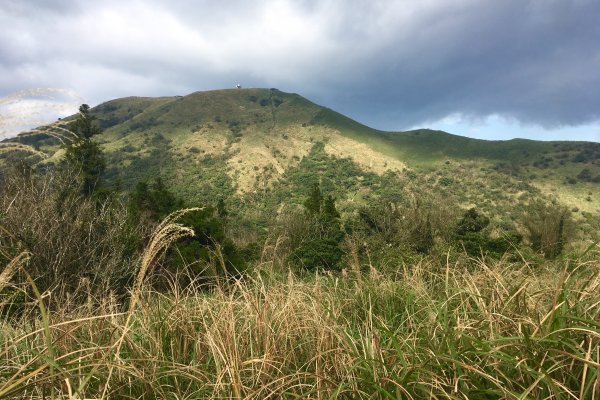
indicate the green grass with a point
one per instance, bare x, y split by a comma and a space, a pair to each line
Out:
261, 117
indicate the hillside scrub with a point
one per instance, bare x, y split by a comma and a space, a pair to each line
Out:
91, 305
320, 284
71, 238
549, 226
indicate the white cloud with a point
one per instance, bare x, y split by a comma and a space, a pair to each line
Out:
30, 108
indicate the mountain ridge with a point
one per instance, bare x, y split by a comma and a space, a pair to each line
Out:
240, 141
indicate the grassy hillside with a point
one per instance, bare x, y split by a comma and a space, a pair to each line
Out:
242, 142
290, 252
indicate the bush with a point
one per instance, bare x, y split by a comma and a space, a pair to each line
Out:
472, 222
548, 226
210, 244
413, 226
323, 253
319, 244
476, 244
472, 238
70, 236
585, 175
208, 248
445, 181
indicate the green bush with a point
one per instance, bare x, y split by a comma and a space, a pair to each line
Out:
476, 244
320, 246
472, 222
548, 226
324, 253
445, 181
471, 236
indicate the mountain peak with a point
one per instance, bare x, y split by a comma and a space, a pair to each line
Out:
253, 137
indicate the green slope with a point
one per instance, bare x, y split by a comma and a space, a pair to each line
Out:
230, 142
269, 108
425, 145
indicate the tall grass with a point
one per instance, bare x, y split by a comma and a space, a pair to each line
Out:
489, 329
71, 239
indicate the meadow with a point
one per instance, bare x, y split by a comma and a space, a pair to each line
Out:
449, 327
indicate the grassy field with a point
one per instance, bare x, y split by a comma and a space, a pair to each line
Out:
448, 327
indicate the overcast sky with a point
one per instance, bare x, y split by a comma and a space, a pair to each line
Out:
493, 69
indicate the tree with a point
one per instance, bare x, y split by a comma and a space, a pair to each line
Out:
155, 201
314, 201
322, 247
84, 126
84, 155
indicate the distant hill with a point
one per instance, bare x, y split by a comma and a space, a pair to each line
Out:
243, 142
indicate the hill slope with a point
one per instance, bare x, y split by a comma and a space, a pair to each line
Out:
241, 142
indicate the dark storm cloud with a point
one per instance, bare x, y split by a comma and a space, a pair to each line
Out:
533, 61
391, 64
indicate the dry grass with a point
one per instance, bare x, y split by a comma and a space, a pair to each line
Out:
263, 154
90, 239
495, 329
165, 234
12, 267
19, 147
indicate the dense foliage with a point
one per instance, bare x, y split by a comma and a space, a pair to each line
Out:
82, 154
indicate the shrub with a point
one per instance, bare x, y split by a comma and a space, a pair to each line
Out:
471, 236
585, 175
69, 236
209, 246
320, 246
323, 253
445, 181
414, 225
476, 244
128, 148
547, 225
472, 222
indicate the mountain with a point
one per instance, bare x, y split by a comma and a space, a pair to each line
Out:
252, 143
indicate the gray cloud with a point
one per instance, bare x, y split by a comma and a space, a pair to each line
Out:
391, 64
